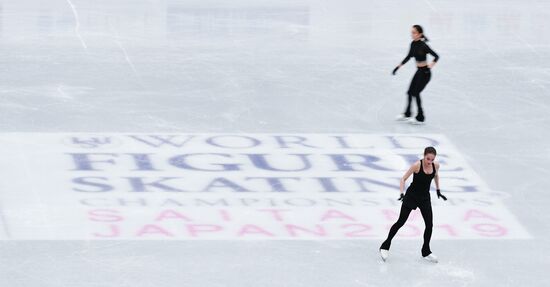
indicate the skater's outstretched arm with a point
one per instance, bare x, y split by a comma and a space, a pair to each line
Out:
409, 55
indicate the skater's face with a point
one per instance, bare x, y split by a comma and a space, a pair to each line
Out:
429, 158
415, 34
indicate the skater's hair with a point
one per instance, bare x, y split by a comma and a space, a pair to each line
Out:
421, 31
431, 150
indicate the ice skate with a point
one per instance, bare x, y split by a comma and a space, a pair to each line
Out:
415, 122
402, 118
431, 258
384, 254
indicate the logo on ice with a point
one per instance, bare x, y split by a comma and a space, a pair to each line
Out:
234, 186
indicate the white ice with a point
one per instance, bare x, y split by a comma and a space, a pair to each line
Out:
268, 66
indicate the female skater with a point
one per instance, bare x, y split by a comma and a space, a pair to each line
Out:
418, 195
419, 50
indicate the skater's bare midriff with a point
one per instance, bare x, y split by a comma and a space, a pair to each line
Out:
422, 64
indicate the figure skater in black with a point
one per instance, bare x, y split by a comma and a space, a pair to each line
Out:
418, 195
419, 49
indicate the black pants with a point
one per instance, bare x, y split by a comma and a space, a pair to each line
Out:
427, 214
418, 83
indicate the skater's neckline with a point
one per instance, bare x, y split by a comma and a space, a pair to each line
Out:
422, 167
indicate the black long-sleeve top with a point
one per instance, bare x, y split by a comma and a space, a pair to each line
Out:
419, 50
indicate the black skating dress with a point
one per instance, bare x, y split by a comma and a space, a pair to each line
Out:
418, 193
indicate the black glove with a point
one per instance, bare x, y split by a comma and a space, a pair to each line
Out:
401, 197
395, 70
441, 195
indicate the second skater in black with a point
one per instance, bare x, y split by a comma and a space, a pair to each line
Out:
419, 49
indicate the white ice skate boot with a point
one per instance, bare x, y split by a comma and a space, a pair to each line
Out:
402, 118
431, 258
384, 254
415, 122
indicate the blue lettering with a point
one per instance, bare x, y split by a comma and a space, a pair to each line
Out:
276, 183
82, 161
158, 141
221, 182
180, 161
259, 160
284, 141
138, 184
253, 142
344, 164
89, 182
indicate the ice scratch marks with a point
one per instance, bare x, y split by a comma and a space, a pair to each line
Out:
430, 5
462, 275
121, 47
127, 58
527, 44
62, 93
77, 25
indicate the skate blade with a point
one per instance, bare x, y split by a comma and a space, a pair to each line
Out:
402, 118
416, 123
431, 259
382, 255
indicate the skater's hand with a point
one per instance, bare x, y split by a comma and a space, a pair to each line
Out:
395, 70
401, 197
439, 195
431, 65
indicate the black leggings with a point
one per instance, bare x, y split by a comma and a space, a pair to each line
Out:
426, 211
418, 83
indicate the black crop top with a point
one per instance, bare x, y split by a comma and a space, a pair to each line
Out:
419, 50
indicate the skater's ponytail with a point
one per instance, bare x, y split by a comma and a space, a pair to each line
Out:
431, 150
421, 31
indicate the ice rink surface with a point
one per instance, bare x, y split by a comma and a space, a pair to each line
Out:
297, 67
